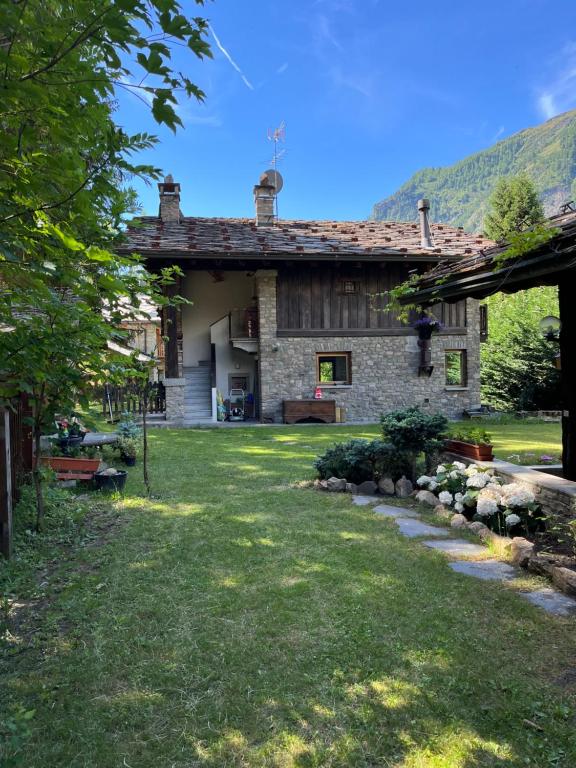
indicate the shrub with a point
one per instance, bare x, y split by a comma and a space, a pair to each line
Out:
473, 435
128, 427
412, 430
359, 460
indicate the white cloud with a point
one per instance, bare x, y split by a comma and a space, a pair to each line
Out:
245, 80
282, 68
558, 94
498, 133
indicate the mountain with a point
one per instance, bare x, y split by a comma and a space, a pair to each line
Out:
459, 193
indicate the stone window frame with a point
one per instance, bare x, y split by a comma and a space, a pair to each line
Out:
347, 382
463, 383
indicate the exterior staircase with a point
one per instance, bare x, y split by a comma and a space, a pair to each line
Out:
197, 394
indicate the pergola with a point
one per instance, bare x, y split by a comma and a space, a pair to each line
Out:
551, 263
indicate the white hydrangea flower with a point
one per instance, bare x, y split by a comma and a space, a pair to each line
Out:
458, 497
440, 469
471, 470
459, 507
432, 485
459, 465
455, 474
491, 491
486, 507
516, 495
477, 480
445, 497
423, 480
512, 520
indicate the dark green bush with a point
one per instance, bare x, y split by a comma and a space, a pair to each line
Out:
359, 460
412, 430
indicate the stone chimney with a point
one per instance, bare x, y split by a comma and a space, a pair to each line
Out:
425, 234
169, 200
264, 195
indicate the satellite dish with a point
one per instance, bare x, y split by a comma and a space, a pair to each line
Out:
274, 178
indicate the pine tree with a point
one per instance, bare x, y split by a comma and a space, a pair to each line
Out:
514, 207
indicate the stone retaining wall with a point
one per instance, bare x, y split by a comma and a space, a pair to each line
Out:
556, 495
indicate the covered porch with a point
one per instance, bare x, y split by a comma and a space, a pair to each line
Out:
212, 346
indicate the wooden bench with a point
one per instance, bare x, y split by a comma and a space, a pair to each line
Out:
71, 469
309, 410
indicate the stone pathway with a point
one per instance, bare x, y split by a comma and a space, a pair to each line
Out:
410, 525
487, 570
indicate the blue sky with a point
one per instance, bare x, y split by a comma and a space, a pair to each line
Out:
370, 91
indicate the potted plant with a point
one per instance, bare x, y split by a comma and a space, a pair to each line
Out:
110, 479
128, 447
473, 443
425, 326
70, 432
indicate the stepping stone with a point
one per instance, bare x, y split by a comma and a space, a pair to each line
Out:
552, 601
456, 547
363, 501
385, 510
414, 528
487, 570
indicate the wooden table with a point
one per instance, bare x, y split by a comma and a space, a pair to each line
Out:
309, 410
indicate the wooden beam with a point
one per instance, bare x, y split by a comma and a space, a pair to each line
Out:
170, 330
566, 295
5, 485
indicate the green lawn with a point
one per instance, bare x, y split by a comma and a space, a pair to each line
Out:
236, 620
520, 437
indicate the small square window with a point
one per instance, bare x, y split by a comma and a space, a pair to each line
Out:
333, 368
456, 368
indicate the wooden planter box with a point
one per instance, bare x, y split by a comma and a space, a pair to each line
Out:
71, 469
482, 452
309, 410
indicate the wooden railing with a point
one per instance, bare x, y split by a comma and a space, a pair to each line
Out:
131, 398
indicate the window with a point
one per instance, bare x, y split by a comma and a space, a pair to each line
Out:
333, 368
348, 286
456, 368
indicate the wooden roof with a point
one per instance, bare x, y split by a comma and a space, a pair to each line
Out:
480, 275
219, 238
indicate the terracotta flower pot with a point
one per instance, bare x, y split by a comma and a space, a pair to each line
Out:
482, 452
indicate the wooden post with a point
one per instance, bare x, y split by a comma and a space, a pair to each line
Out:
567, 300
5, 485
170, 330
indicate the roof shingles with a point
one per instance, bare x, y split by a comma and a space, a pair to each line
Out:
192, 237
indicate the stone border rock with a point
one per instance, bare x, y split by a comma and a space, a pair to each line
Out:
385, 486
520, 552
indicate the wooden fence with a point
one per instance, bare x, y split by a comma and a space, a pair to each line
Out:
15, 464
130, 399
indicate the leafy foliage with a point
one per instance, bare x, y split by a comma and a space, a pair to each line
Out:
473, 435
359, 460
517, 363
412, 430
64, 169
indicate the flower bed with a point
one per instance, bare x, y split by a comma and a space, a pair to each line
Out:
478, 494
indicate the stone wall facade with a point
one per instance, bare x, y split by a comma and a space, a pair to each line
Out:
384, 368
175, 399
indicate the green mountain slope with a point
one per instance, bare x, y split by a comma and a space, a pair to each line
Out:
458, 193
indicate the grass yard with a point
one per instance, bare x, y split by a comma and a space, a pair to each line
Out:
519, 437
237, 621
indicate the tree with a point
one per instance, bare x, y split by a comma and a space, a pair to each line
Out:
64, 169
514, 207
517, 363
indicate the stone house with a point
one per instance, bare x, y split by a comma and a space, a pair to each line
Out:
279, 308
